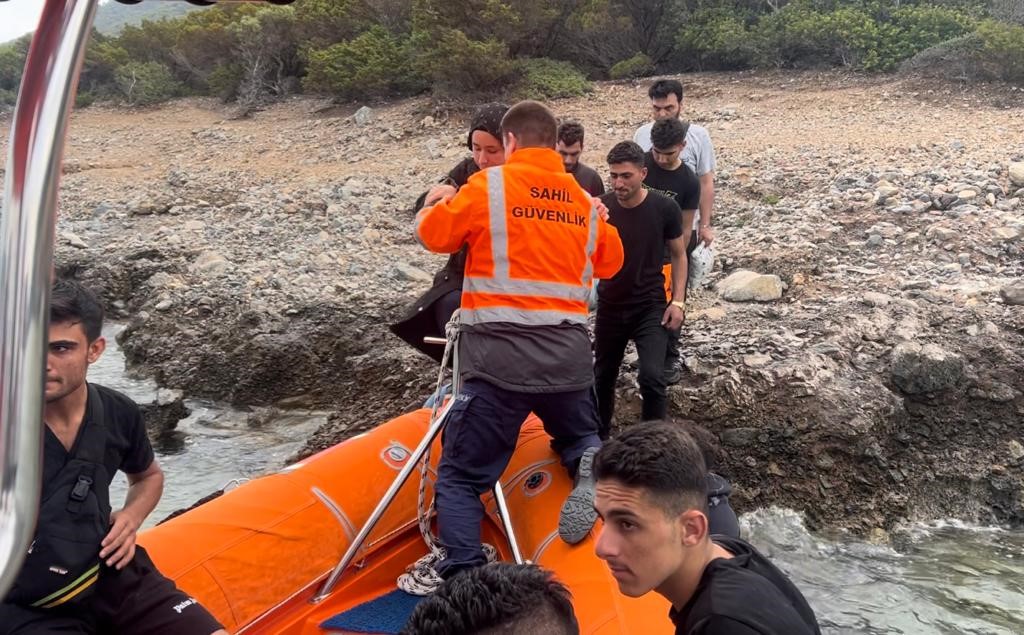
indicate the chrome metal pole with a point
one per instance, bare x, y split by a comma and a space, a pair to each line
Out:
26, 262
506, 522
385, 501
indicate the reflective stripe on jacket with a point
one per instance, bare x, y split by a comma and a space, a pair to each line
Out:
535, 241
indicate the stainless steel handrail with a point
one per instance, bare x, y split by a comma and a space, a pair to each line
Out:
26, 262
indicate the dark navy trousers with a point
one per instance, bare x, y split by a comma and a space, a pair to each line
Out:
479, 439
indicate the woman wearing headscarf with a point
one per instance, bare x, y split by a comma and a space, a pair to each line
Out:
431, 311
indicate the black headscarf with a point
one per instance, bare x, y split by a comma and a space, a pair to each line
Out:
487, 118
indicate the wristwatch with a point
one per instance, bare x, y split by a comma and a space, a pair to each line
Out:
679, 304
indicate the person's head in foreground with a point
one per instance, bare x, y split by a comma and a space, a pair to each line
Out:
651, 493
510, 599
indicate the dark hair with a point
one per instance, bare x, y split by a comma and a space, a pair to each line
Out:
666, 133
71, 302
661, 458
570, 133
512, 599
662, 88
487, 118
533, 125
626, 152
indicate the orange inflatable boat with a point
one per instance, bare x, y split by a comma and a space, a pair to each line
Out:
259, 555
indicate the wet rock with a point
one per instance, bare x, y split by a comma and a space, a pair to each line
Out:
746, 286
918, 369
161, 417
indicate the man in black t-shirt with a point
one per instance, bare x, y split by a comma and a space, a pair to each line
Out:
570, 146
651, 492
632, 305
122, 593
668, 174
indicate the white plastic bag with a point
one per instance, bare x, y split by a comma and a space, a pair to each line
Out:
702, 261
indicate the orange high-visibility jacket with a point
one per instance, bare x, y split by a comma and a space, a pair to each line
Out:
536, 241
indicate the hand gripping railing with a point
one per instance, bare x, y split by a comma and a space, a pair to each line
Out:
26, 261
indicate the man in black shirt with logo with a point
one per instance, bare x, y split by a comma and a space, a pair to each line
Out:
632, 305
570, 146
84, 572
668, 174
651, 492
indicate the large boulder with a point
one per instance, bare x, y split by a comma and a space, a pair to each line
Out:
918, 369
746, 286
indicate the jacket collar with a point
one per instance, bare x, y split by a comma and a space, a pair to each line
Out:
544, 158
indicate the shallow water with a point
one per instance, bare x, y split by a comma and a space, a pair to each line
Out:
944, 578
209, 449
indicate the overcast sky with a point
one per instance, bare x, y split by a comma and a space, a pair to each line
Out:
18, 17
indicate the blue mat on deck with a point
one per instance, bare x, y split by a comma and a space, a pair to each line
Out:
385, 615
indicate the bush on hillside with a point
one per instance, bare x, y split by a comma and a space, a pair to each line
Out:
639, 65
1003, 49
457, 66
716, 39
146, 83
544, 78
373, 64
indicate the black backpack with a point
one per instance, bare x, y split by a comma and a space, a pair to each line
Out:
63, 561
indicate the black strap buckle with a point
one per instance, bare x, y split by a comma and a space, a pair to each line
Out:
81, 490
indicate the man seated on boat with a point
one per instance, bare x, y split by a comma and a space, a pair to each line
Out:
536, 240
83, 572
429, 314
512, 599
652, 496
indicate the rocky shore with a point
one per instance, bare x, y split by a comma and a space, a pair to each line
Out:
868, 372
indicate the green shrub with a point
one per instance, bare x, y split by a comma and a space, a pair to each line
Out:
84, 99
146, 83
544, 78
374, 63
457, 66
8, 97
716, 38
639, 65
1003, 49
224, 81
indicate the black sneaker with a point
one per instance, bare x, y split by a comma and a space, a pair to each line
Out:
578, 514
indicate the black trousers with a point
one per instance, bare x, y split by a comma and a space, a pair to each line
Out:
614, 329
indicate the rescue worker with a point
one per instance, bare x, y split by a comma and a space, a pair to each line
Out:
536, 240
431, 311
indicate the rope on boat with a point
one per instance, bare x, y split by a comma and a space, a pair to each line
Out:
451, 351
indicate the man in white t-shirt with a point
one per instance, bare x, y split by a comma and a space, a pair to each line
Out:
666, 102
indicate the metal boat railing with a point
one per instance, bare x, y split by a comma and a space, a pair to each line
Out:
26, 263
